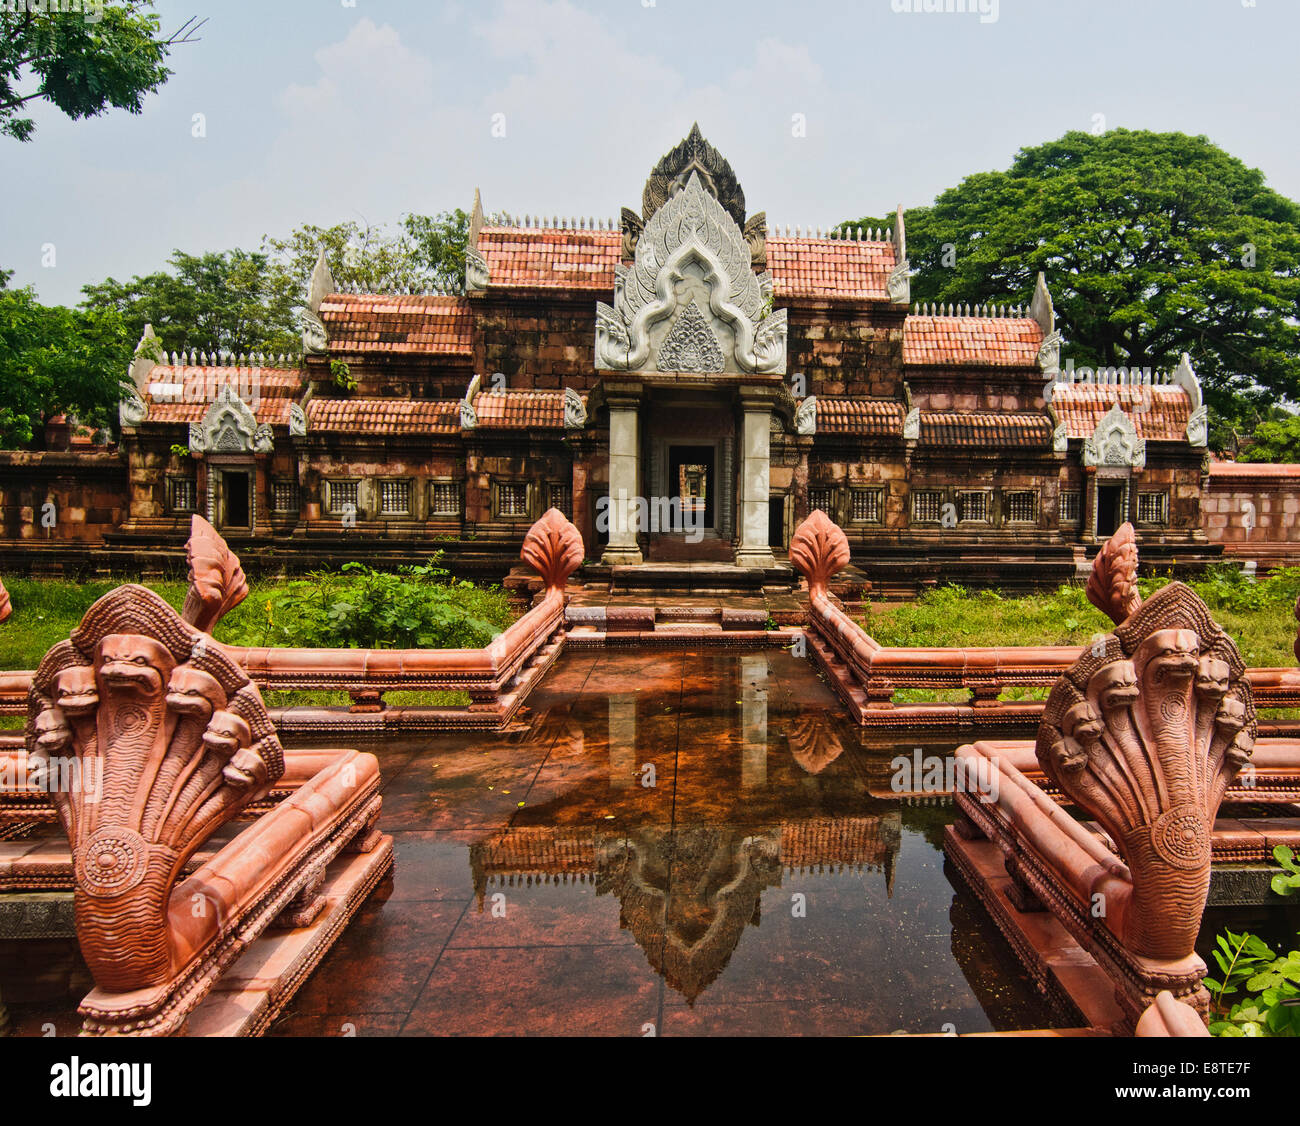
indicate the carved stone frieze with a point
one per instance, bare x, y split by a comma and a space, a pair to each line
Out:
1115, 442
693, 157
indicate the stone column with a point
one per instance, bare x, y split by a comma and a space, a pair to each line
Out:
753, 718
755, 450
624, 458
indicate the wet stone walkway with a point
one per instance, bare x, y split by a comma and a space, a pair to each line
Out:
670, 843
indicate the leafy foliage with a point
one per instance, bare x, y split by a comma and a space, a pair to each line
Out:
1276, 439
1286, 882
55, 360
83, 62
1247, 962
1153, 244
418, 607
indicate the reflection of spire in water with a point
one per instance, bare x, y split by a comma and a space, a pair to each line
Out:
687, 895
814, 743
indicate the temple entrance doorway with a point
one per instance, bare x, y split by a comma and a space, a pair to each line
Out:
1110, 508
692, 484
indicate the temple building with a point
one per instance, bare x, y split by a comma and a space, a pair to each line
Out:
686, 384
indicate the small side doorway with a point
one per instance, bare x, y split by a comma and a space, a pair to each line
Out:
1110, 508
236, 510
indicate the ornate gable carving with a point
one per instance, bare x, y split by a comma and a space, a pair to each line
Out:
693, 157
691, 345
692, 250
229, 427
1115, 442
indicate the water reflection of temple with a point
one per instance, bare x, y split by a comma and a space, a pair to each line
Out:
687, 893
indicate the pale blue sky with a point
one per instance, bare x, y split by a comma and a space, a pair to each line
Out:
324, 110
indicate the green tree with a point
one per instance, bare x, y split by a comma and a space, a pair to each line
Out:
233, 301
1277, 439
84, 61
55, 360
1153, 244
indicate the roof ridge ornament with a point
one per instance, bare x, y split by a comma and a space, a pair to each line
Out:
693, 157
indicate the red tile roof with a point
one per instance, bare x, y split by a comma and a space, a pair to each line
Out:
1159, 413
830, 268
984, 428
520, 410
998, 341
383, 416
859, 416
533, 258
398, 323
184, 392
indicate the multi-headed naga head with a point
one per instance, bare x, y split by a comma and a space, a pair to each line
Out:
1145, 733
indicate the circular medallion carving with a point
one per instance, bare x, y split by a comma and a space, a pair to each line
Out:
1181, 837
1173, 709
112, 860
129, 719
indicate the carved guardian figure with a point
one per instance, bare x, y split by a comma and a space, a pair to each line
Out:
217, 582
1146, 737
181, 742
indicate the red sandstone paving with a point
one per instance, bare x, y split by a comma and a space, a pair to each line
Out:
560, 991
542, 915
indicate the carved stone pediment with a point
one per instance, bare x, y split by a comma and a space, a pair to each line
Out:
693, 157
691, 255
229, 427
1115, 442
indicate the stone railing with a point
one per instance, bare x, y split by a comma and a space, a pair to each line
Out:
866, 674
158, 739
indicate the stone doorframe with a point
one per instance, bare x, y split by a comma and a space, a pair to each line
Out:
1108, 476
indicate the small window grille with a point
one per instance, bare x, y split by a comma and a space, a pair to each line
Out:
512, 500
342, 496
284, 496
1153, 508
865, 508
823, 499
1022, 507
973, 506
1070, 506
446, 498
927, 506
182, 494
561, 497
395, 498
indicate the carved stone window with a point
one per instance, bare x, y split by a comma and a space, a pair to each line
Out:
445, 499
1021, 506
561, 497
510, 500
284, 496
865, 505
1071, 506
973, 507
341, 497
1153, 508
395, 497
823, 498
927, 506
180, 494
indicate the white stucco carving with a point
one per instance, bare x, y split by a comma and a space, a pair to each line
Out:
297, 421
900, 283
477, 274
314, 337
131, 409
1061, 439
805, 418
912, 425
1198, 427
692, 253
468, 415
575, 414
229, 427
1115, 442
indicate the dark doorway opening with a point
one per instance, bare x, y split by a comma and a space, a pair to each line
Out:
776, 522
691, 481
1110, 509
236, 500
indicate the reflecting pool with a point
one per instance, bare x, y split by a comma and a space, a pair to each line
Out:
667, 843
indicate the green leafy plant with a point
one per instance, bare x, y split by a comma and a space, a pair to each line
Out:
1271, 982
1287, 882
418, 607
342, 374
180, 451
